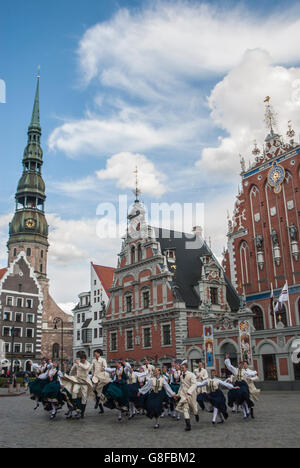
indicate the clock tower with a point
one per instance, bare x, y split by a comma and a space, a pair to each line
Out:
28, 230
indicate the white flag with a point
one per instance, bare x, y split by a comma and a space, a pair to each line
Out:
284, 297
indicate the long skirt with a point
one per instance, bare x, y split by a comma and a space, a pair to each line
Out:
52, 394
154, 403
217, 400
240, 396
36, 387
201, 399
117, 396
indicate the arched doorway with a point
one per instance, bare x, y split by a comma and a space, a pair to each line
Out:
268, 355
231, 350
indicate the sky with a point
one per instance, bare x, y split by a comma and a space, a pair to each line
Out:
175, 88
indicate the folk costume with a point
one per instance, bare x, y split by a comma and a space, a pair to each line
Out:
51, 394
242, 396
78, 384
175, 385
150, 369
188, 397
216, 397
201, 375
136, 380
116, 392
155, 391
100, 379
36, 387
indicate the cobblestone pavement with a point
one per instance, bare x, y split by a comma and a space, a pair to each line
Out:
277, 424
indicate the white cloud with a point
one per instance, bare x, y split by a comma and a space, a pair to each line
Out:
121, 167
148, 67
237, 106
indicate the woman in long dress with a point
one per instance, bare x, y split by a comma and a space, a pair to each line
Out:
51, 394
36, 387
155, 391
175, 374
216, 397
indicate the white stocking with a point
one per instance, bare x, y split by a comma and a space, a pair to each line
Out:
215, 414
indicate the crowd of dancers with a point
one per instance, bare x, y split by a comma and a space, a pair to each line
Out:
152, 391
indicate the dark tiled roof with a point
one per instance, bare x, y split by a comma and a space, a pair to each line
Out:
86, 323
189, 266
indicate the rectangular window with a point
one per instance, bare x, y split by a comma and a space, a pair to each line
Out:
78, 335
19, 317
20, 287
18, 332
129, 339
166, 335
9, 301
113, 341
146, 299
28, 348
100, 332
17, 347
95, 315
95, 333
29, 303
29, 332
214, 296
7, 316
7, 347
147, 337
83, 318
78, 318
30, 318
6, 331
129, 303
19, 302
100, 315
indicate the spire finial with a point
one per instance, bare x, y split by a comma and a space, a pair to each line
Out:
136, 190
35, 119
270, 116
39, 72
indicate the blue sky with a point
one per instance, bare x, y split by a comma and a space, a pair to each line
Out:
174, 87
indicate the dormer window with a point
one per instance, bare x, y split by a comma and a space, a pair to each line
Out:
214, 296
171, 255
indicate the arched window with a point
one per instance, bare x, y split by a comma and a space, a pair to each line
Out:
55, 351
140, 256
245, 262
132, 254
258, 319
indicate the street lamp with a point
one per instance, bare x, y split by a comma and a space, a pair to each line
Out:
56, 321
13, 334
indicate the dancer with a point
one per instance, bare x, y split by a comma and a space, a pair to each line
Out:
201, 375
100, 378
155, 390
241, 396
215, 396
51, 394
39, 383
149, 368
136, 380
175, 374
116, 391
78, 384
188, 396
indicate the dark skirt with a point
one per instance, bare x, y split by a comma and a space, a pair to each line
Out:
117, 395
51, 393
36, 387
138, 401
217, 400
239, 396
201, 399
175, 387
154, 403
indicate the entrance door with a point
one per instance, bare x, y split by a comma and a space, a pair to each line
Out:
270, 368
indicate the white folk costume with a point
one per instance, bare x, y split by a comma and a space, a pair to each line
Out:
201, 375
150, 369
79, 386
216, 397
242, 396
100, 378
155, 391
188, 397
254, 392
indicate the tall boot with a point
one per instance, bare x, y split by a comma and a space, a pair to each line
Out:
97, 399
82, 411
101, 409
188, 425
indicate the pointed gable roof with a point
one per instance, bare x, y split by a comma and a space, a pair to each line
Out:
105, 275
2, 272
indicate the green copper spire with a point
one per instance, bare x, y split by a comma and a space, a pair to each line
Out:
35, 119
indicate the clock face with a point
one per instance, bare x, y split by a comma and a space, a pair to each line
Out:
276, 177
30, 223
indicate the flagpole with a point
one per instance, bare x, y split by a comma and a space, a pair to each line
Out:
290, 315
275, 321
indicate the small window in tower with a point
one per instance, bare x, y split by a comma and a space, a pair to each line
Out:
15, 252
20, 287
41, 268
42, 254
28, 252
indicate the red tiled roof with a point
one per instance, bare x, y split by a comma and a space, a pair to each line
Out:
2, 272
105, 275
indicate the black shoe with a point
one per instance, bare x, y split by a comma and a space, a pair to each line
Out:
197, 417
187, 425
252, 413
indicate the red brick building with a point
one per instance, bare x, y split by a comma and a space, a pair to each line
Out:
263, 250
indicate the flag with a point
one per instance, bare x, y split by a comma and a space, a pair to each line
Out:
284, 297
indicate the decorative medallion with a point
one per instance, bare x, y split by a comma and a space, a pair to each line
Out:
30, 223
276, 177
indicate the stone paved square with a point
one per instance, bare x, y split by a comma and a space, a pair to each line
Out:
277, 425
